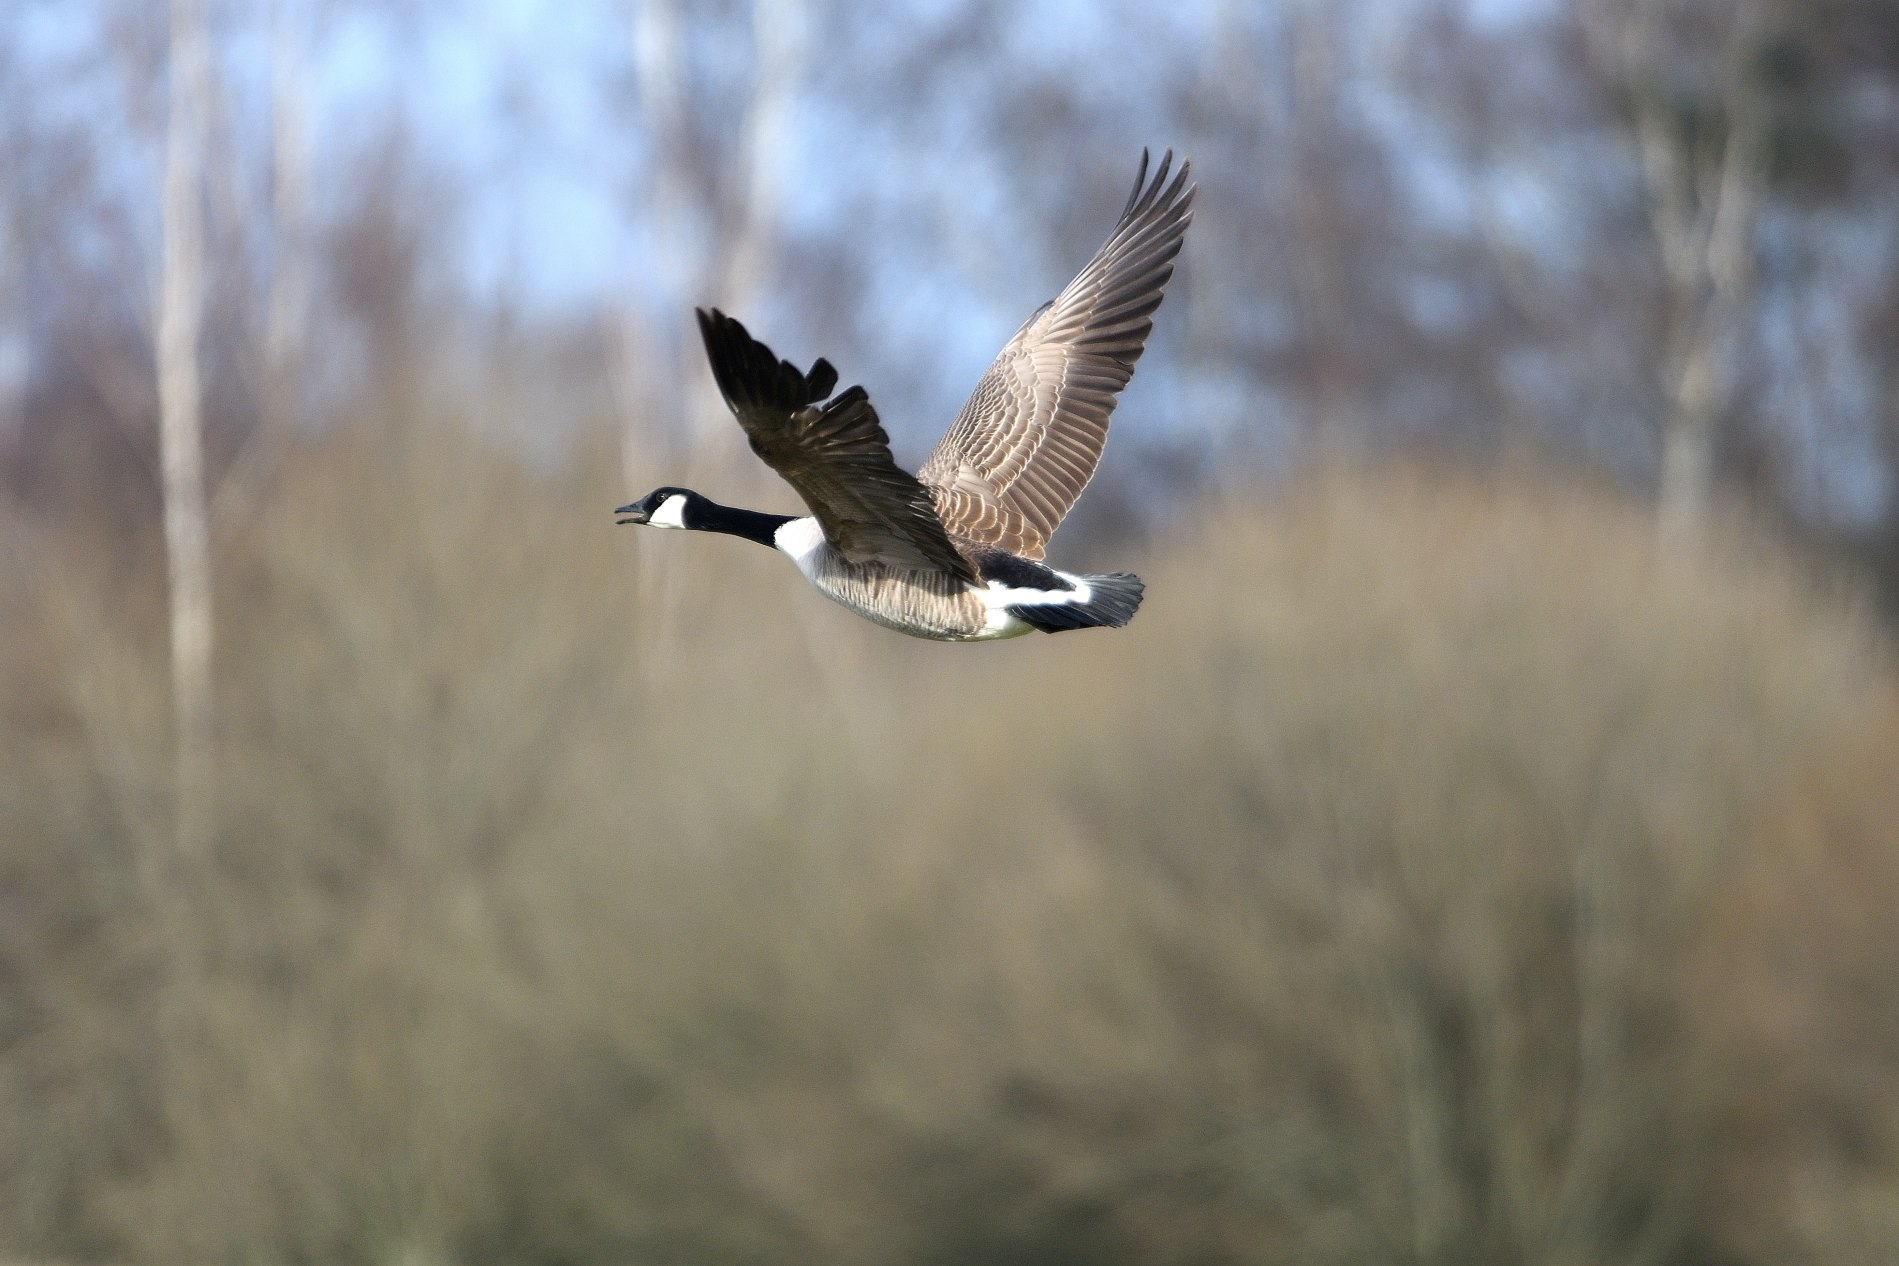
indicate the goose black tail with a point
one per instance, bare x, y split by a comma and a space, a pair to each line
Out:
750, 375
1112, 601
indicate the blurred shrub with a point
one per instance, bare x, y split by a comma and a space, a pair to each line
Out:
1800, 979
1430, 875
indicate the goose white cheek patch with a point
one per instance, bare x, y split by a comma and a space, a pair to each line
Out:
671, 513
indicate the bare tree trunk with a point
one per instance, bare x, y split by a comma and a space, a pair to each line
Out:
779, 34
1686, 475
730, 273
187, 534
659, 58
1704, 208
652, 389
289, 300
1718, 257
287, 304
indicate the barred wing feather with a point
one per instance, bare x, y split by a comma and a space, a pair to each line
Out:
1029, 439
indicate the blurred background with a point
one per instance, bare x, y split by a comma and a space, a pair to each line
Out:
1482, 849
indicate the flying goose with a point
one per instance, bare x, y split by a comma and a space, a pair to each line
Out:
954, 553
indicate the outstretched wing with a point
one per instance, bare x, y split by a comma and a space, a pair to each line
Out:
835, 455
1030, 437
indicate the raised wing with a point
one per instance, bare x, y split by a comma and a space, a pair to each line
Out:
1029, 439
835, 455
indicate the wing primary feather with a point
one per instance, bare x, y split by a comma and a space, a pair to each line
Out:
822, 379
1140, 183
749, 376
835, 456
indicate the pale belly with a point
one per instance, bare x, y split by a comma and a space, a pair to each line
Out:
897, 602
923, 604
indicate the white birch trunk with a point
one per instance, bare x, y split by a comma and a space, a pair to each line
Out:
731, 273
659, 59
1686, 476
1704, 213
779, 34
181, 440
289, 300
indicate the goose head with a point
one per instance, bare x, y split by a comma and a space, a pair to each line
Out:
664, 507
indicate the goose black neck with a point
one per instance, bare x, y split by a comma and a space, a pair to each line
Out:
710, 516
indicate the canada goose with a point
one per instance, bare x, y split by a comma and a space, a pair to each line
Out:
954, 553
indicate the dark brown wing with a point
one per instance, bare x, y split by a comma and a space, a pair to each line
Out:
1029, 439
835, 455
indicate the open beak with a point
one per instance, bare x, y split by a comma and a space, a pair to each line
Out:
635, 513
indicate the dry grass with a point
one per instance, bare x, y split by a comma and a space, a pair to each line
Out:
1427, 876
